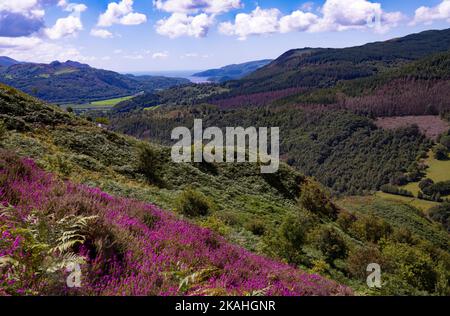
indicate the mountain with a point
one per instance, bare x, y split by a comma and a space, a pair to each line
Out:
6, 61
324, 67
232, 72
73, 82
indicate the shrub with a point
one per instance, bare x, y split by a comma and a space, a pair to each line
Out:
345, 220
329, 242
445, 141
292, 235
257, 227
193, 203
425, 183
370, 228
3, 131
441, 214
440, 152
411, 264
316, 201
359, 258
150, 163
69, 109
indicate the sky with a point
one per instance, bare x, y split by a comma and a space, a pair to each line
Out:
170, 35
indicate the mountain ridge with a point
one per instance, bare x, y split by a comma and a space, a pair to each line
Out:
65, 82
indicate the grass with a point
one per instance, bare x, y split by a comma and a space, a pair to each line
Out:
412, 201
110, 102
438, 170
398, 214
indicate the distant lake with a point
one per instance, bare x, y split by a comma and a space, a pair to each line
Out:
187, 74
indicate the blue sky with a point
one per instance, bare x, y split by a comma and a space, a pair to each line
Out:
146, 35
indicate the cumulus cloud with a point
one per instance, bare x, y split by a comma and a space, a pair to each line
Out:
258, 22
101, 33
335, 15
180, 24
121, 13
428, 15
339, 15
68, 26
298, 21
196, 6
28, 8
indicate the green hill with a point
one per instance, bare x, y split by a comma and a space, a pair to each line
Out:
322, 68
66, 82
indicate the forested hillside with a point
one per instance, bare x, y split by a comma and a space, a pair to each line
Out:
418, 88
345, 151
322, 68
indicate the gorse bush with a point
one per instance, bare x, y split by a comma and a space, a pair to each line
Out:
150, 164
313, 198
193, 203
329, 242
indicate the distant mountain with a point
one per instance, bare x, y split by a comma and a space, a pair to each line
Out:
232, 72
6, 61
324, 67
73, 82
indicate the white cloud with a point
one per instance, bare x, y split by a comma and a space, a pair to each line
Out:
161, 55
196, 6
298, 21
258, 22
340, 15
180, 24
121, 13
19, 43
29, 8
101, 33
64, 27
68, 26
427, 15
335, 15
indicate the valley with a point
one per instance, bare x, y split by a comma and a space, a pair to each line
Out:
86, 177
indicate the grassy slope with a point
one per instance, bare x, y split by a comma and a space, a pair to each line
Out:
397, 214
438, 171
110, 102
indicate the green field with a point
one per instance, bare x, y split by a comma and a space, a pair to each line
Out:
438, 170
415, 202
110, 102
